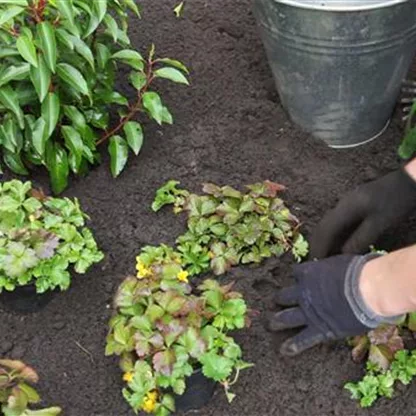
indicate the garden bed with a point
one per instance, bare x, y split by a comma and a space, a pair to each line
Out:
229, 129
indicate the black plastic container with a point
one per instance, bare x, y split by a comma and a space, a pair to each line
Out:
199, 391
25, 300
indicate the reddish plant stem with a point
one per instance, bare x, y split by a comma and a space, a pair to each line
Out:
136, 107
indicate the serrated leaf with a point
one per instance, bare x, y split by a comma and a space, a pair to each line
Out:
118, 150
46, 34
10, 13
153, 104
172, 74
41, 78
71, 76
51, 111
134, 135
27, 49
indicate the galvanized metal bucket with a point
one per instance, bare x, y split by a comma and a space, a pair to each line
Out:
339, 65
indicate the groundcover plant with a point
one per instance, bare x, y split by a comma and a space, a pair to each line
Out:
165, 327
59, 62
40, 238
16, 392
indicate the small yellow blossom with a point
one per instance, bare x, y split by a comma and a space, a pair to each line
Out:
149, 402
142, 270
177, 210
128, 377
211, 255
183, 276
32, 218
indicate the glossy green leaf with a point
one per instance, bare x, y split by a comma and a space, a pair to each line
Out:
118, 150
10, 13
58, 167
174, 63
96, 17
131, 4
83, 49
172, 74
39, 136
153, 104
74, 143
138, 80
9, 99
130, 57
103, 55
64, 38
51, 111
134, 135
73, 78
14, 73
46, 34
14, 162
77, 118
66, 8
41, 78
112, 26
27, 49
22, 3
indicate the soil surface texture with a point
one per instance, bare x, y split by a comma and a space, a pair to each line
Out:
230, 128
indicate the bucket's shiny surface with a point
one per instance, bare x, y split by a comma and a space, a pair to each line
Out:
339, 71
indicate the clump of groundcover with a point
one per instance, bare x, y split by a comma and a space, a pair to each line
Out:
227, 227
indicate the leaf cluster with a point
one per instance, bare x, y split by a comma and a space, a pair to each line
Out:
59, 63
16, 392
164, 331
227, 227
40, 237
380, 383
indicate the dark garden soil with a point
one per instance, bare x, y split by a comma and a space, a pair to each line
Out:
229, 128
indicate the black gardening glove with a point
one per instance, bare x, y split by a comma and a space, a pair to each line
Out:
326, 301
362, 216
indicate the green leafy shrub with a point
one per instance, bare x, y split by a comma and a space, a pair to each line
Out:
16, 393
59, 62
164, 330
40, 237
227, 227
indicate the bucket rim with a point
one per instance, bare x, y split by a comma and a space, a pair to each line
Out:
332, 6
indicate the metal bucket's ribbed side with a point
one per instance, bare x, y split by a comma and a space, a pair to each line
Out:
339, 74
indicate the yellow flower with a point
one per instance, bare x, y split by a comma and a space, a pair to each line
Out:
211, 254
128, 377
183, 276
142, 270
32, 218
149, 402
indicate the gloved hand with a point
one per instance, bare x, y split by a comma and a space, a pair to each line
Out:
326, 301
363, 215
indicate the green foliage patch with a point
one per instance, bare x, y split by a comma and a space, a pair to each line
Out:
59, 62
40, 237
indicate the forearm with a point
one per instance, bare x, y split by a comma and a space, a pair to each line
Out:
388, 283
